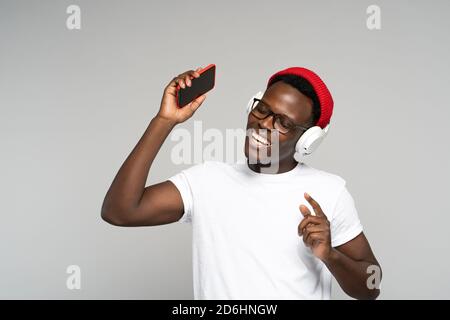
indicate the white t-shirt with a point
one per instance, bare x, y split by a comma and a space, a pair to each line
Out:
244, 224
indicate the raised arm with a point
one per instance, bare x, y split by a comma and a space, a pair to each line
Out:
128, 202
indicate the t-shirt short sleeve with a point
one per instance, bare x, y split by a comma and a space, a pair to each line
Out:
187, 182
181, 181
345, 223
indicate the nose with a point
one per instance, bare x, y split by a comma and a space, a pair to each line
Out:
266, 123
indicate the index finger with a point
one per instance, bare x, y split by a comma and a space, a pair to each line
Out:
315, 205
172, 86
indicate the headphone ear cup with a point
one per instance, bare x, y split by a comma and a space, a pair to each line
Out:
308, 142
257, 95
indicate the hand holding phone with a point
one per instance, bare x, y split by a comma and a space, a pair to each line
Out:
199, 86
169, 109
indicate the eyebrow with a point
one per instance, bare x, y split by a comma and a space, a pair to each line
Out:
282, 114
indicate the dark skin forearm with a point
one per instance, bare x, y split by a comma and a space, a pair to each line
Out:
351, 274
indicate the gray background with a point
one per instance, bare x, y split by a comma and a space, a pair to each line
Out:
74, 104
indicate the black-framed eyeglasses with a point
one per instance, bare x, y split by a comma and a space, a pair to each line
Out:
279, 122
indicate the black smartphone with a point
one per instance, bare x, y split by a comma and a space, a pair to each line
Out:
199, 86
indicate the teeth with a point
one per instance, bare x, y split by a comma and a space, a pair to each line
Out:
260, 139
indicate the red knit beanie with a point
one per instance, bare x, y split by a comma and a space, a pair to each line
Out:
325, 99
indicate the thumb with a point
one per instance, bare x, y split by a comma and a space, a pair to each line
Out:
194, 105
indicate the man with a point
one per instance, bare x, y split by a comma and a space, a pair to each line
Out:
256, 235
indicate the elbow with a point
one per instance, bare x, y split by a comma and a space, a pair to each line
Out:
365, 294
111, 219
369, 294
372, 294
369, 289
115, 216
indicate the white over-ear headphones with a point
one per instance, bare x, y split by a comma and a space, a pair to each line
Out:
309, 140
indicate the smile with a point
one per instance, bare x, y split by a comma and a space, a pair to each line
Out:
259, 140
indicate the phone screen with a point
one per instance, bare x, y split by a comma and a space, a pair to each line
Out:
199, 86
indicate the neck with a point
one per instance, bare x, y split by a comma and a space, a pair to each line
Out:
282, 166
